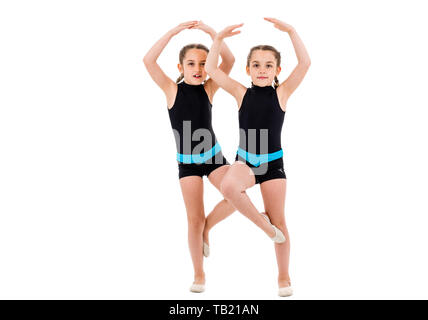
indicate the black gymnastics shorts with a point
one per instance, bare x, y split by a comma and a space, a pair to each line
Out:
266, 171
201, 169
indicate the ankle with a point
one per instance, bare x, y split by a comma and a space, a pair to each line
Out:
285, 282
200, 278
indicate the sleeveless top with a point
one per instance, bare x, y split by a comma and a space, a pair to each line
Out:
260, 122
191, 123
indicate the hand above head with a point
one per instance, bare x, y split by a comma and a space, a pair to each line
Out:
183, 26
280, 24
204, 27
228, 31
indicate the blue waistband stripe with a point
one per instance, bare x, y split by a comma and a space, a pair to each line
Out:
258, 159
199, 158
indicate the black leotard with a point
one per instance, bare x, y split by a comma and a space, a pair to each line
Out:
194, 136
260, 110
191, 104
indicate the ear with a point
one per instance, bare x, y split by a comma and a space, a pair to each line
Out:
278, 70
180, 68
247, 68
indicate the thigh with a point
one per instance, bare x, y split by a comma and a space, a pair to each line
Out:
273, 193
241, 174
192, 188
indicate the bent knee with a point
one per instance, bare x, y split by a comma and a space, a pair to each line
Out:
230, 188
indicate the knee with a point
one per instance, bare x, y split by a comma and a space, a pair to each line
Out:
279, 223
196, 223
281, 226
229, 189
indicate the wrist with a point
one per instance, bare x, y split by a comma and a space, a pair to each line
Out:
218, 37
171, 33
212, 34
291, 31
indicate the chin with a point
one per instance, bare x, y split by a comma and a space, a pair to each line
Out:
195, 81
262, 83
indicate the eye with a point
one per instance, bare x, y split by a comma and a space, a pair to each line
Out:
269, 66
203, 63
255, 65
190, 64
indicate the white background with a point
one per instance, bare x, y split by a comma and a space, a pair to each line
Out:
90, 203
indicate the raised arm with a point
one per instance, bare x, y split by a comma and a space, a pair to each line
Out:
227, 58
218, 75
287, 87
157, 74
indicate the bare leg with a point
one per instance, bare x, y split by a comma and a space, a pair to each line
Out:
192, 188
238, 179
273, 192
223, 209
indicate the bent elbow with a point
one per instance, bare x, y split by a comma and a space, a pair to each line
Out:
147, 61
304, 64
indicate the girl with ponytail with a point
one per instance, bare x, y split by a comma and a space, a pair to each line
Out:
189, 108
259, 159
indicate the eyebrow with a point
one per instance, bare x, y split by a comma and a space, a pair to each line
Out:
194, 60
259, 62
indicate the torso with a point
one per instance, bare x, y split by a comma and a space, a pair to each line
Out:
260, 110
191, 110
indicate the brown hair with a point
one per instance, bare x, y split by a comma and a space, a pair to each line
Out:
275, 52
183, 52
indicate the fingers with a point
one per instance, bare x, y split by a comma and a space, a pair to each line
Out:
200, 25
235, 26
229, 29
276, 22
189, 24
273, 20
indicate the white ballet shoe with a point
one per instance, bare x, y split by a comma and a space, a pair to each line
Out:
206, 249
285, 291
279, 236
197, 288
265, 216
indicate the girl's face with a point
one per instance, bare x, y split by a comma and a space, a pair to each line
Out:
193, 66
263, 68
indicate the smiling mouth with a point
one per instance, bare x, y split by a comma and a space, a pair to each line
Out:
197, 76
262, 78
